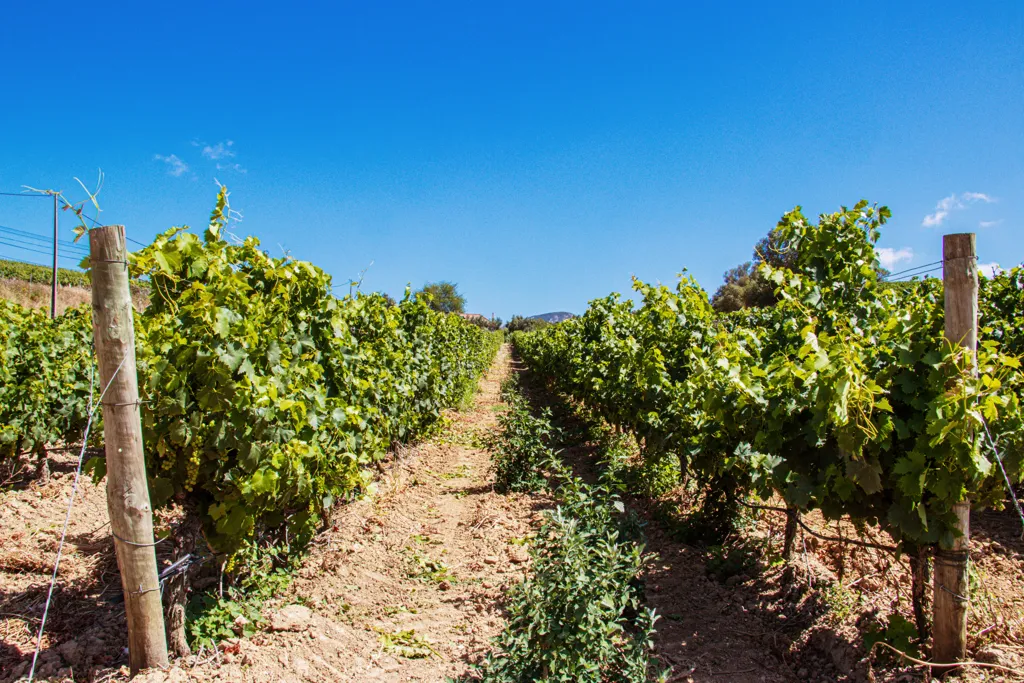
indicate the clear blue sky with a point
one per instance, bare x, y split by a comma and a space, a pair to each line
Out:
536, 153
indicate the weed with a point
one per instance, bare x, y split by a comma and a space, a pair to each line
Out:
211, 618
899, 633
425, 568
726, 561
840, 602
406, 644
578, 616
520, 448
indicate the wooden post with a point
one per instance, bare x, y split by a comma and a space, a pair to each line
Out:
950, 589
131, 517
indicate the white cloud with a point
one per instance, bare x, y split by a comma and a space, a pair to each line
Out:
237, 168
989, 269
222, 150
990, 224
890, 257
953, 202
175, 166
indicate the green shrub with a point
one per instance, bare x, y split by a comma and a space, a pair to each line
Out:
267, 397
578, 616
45, 368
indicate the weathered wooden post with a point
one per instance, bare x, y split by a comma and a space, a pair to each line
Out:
131, 517
950, 589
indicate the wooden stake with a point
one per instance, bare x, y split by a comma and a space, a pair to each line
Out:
131, 517
950, 589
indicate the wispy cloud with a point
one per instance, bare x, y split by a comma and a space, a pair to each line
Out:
222, 150
175, 166
890, 257
990, 224
237, 168
989, 269
953, 202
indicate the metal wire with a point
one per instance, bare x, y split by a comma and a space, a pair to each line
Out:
1006, 477
899, 273
71, 501
45, 239
35, 251
22, 194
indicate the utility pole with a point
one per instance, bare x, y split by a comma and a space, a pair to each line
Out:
53, 282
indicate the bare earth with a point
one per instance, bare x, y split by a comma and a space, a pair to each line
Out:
426, 558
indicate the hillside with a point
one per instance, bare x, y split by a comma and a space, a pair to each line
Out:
556, 317
29, 285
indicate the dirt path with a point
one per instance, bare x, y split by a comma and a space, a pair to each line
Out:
407, 586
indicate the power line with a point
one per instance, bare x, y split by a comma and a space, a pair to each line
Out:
45, 240
75, 259
23, 194
24, 245
97, 224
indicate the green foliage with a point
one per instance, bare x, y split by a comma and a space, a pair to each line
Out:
443, 297
578, 616
406, 644
45, 368
28, 272
520, 324
211, 617
520, 447
731, 559
745, 286
843, 396
898, 632
267, 397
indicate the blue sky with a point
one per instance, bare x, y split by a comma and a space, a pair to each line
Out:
536, 153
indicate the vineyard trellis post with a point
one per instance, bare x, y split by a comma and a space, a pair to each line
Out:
951, 590
128, 503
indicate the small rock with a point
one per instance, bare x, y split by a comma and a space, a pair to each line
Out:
71, 651
490, 559
176, 675
291, 618
150, 676
518, 556
240, 624
990, 654
302, 667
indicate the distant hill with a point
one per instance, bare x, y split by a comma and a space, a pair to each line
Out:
556, 317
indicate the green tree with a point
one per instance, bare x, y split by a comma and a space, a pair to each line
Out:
520, 324
744, 286
443, 296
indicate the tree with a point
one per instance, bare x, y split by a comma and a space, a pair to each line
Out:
443, 296
744, 286
491, 324
520, 324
